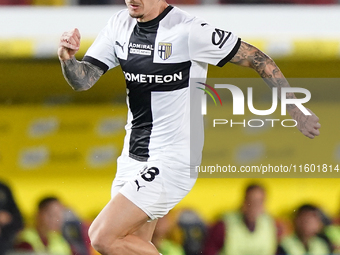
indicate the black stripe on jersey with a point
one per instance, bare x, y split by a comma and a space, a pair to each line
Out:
96, 62
143, 77
231, 54
139, 95
141, 126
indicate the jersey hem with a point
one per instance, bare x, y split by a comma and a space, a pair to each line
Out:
96, 62
231, 54
138, 158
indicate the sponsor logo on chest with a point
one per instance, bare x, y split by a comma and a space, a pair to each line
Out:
140, 49
164, 49
153, 78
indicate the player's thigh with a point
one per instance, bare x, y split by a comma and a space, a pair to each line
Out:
145, 232
120, 217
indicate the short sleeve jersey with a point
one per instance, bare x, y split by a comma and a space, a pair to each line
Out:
161, 59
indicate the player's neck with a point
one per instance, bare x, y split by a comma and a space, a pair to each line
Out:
154, 12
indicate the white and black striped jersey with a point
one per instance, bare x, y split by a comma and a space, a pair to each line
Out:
160, 58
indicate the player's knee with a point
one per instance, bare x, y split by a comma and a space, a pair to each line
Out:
91, 232
98, 241
103, 243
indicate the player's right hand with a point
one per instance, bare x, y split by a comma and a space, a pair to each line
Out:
307, 124
69, 44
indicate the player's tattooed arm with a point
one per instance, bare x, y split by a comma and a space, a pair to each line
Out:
250, 56
81, 75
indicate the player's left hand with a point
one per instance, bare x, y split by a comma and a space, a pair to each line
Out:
307, 124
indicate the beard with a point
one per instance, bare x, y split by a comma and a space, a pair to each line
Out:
136, 16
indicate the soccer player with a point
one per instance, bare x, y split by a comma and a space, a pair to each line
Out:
160, 48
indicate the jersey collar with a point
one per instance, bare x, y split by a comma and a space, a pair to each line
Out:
157, 19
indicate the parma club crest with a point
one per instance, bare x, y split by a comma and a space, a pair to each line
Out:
164, 50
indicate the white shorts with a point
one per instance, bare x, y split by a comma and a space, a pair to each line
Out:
155, 187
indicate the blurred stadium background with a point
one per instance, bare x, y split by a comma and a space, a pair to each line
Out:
56, 141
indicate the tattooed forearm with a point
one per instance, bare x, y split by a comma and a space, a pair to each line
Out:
80, 75
250, 56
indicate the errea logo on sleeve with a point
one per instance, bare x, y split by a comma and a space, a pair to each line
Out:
220, 37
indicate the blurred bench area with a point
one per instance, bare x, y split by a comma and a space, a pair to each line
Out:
194, 2
298, 32
61, 143
303, 40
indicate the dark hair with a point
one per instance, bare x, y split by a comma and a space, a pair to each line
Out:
45, 202
308, 208
252, 187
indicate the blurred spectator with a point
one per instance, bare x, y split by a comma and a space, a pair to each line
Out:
46, 237
194, 230
15, 2
305, 239
163, 237
247, 231
10, 219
